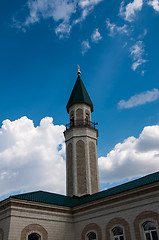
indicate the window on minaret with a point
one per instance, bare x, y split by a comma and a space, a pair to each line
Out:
150, 231
87, 118
34, 236
72, 120
118, 233
91, 236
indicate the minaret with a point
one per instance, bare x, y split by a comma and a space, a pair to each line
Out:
81, 144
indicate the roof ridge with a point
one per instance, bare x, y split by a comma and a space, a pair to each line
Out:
63, 200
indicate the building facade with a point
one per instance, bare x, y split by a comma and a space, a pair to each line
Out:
127, 212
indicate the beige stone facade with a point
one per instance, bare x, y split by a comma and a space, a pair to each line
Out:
129, 210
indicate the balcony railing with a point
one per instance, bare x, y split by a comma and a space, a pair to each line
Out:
80, 123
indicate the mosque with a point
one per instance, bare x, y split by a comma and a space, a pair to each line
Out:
126, 212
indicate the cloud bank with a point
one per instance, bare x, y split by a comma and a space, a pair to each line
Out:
132, 158
32, 158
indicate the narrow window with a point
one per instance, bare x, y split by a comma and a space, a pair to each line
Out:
91, 236
87, 119
118, 233
150, 231
72, 120
34, 236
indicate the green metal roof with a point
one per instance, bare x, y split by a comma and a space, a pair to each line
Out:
45, 197
61, 200
79, 95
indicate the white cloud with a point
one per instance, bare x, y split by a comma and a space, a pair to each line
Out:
57, 10
32, 158
137, 52
142, 35
129, 11
96, 36
114, 29
88, 3
85, 46
63, 30
140, 99
87, 6
133, 158
154, 4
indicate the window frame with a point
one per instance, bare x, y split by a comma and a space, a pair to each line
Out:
86, 237
34, 232
111, 232
149, 231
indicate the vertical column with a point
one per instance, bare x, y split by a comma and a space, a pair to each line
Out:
93, 167
69, 171
81, 167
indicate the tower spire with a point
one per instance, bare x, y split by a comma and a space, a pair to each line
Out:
79, 94
79, 72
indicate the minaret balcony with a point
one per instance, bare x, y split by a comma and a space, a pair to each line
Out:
81, 123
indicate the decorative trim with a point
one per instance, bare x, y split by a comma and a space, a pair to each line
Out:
94, 228
44, 206
34, 228
116, 198
144, 216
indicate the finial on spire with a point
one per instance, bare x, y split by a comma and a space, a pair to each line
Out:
79, 72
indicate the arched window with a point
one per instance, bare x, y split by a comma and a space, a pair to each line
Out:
150, 231
91, 236
34, 236
118, 233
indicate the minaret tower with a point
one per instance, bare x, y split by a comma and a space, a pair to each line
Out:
81, 143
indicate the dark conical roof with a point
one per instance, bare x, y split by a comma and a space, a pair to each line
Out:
79, 95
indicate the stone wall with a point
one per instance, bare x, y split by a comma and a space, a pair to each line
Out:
128, 210
48, 221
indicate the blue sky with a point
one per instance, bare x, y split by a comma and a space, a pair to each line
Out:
116, 45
